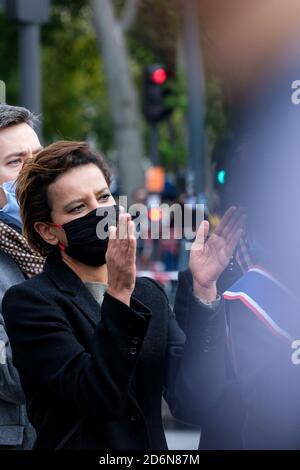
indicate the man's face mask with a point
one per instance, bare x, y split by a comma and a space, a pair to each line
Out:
11, 208
88, 235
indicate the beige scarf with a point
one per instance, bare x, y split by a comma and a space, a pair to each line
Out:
15, 245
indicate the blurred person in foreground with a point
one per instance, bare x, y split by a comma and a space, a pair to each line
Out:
95, 346
255, 359
18, 142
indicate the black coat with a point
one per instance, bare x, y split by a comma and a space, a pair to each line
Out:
92, 383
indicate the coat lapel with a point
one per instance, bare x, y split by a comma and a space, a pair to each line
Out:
88, 305
154, 345
67, 281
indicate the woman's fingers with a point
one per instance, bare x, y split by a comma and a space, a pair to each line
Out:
232, 244
131, 229
112, 237
239, 225
122, 227
121, 259
112, 232
225, 220
124, 231
232, 224
201, 235
131, 252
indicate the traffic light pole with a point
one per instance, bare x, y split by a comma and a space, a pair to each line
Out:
155, 108
30, 62
154, 152
195, 85
30, 15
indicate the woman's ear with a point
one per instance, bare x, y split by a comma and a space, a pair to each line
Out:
47, 232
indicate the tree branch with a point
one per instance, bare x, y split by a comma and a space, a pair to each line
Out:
129, 14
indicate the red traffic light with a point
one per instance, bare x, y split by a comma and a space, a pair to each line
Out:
155, 91
159, 76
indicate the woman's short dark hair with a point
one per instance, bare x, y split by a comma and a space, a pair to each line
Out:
36, 176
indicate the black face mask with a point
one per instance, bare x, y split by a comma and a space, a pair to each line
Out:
84, 244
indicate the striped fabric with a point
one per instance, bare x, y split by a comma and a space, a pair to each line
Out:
269, 300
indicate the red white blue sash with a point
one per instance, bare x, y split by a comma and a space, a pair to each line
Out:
272, 303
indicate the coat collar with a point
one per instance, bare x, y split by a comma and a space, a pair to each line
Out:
67, 281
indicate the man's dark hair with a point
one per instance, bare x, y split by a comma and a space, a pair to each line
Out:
12, 115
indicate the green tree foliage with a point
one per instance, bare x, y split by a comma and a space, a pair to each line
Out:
9, 59
75, 99
216, 117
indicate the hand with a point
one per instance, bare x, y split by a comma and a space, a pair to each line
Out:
121, 259
210, 256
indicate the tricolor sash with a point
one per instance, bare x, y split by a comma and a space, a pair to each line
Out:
272, 303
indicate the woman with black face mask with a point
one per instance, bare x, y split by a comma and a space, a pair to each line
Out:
94, 345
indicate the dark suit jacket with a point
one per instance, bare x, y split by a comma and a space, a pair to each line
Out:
254, 384
92, 376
